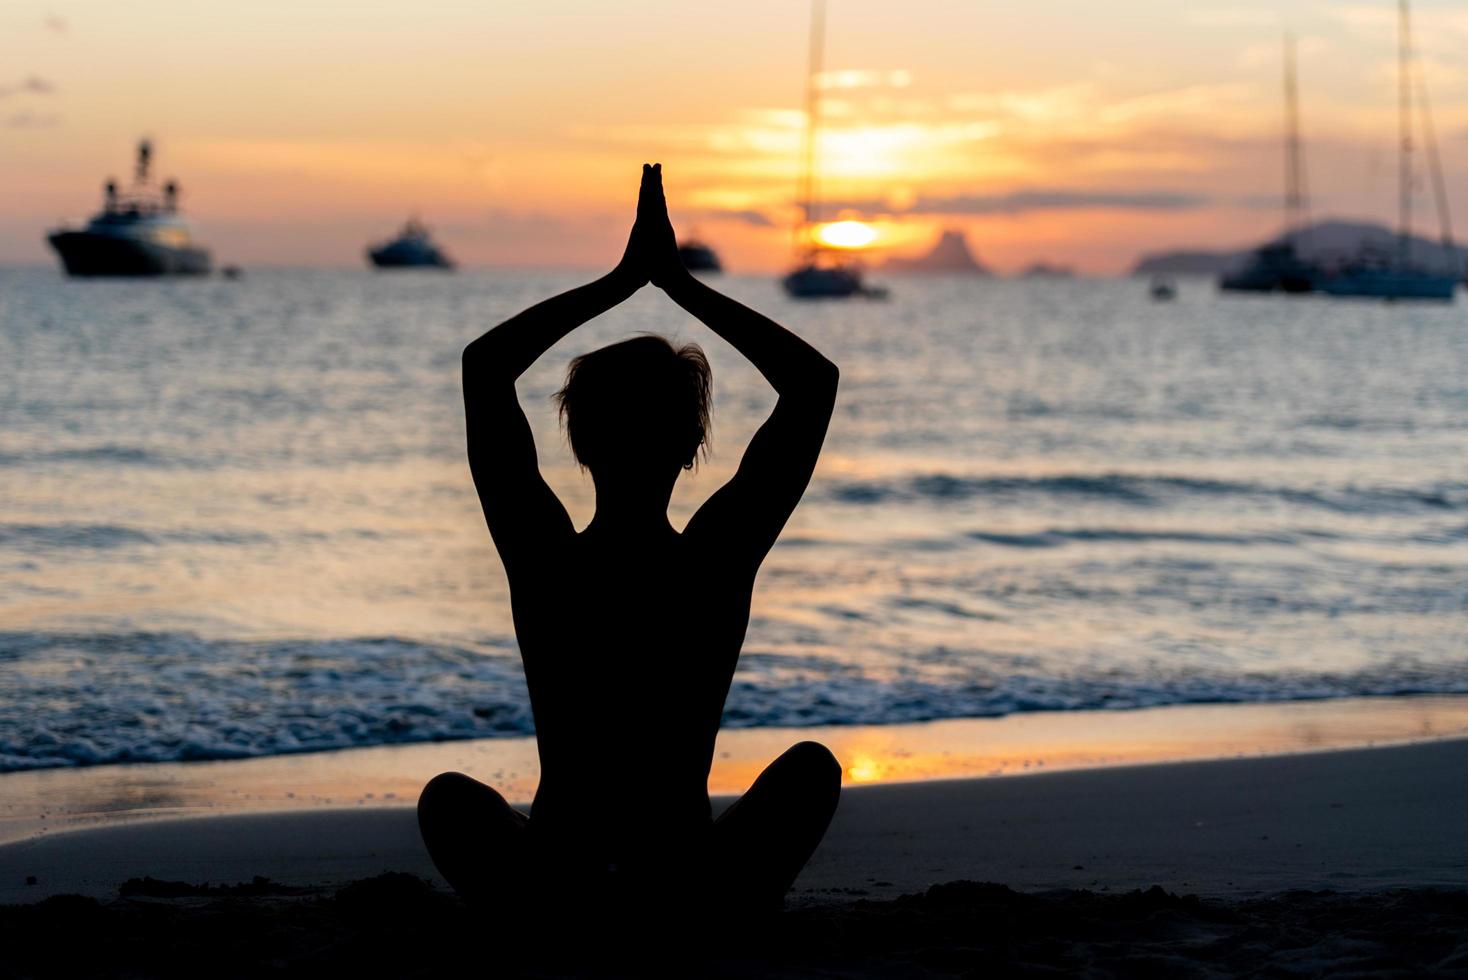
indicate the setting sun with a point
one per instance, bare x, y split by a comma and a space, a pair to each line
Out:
846, 234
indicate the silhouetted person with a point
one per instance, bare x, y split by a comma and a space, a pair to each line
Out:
629, 630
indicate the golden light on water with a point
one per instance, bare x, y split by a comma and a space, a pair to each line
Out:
846, 234
863, 768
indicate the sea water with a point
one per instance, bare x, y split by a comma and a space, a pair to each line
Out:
236, 518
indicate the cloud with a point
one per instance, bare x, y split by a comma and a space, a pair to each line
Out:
503, 224
31, 120
1008, 204
1084, 107
1065, 200
30, 85
1042, 106
1434, 30
1269, 54
56, 24
1035, 199
1234, 18
864, 78
1193, 98
746, 216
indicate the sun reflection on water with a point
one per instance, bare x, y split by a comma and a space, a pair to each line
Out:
863, 769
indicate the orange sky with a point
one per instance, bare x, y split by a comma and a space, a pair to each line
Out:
1060, 130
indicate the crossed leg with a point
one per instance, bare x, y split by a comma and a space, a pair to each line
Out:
476, 839
763, 840
479, 843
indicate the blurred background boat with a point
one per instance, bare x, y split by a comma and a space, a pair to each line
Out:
1390, 280
824, 276
138, 232
698, 257
820, 272
1273, 267
1397, 276
412, 249
1276, 266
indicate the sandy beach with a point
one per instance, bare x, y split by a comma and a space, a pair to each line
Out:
1321, 851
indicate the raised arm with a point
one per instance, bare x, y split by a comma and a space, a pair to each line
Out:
519, 506
800, 374
749, 511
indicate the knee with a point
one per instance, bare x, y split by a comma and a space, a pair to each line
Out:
815, 761
442, 789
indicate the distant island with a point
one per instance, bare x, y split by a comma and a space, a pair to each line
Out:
951, 254
1324, 243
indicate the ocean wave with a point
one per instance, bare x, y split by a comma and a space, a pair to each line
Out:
1146, 491
70, 535
250, 457
863, 700
113, 455
67, 535
1055, 537
1444, 535
92, 699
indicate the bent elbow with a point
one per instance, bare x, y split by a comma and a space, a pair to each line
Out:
817, 385
472, 356
829, 375
480, 367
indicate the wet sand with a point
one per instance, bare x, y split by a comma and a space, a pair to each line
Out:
50, 800
1384, 831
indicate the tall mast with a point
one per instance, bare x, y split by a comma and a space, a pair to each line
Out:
807, 187
1404, 131
1434, 161
1296, 208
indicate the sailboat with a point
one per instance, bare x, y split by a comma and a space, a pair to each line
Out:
1276, 266
819, 273
1396, 277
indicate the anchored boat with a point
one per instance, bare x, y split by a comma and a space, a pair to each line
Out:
412, 249
698, 257
1277, 266
138, 232
1398, 277
820, 272
815, 279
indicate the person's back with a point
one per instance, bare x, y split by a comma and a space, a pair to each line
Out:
630, 630
629, 652
631, 641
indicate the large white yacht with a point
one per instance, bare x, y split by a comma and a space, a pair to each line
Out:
138, 232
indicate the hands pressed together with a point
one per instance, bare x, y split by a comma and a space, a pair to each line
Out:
652, 249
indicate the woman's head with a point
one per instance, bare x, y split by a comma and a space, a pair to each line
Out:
638, 404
